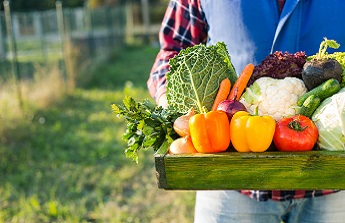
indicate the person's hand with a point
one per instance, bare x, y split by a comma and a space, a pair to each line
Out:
163, 101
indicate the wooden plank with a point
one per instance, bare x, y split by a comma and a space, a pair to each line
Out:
265, 171
160, 172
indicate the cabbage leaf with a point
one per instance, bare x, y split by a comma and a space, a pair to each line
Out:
329, 118
252, 94
194, 77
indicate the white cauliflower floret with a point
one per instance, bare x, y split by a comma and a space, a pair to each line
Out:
275, 97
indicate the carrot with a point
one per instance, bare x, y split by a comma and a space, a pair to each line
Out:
241, 82
223, 92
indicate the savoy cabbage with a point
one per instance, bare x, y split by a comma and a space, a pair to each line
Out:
195, 74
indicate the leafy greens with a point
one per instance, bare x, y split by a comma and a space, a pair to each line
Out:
193, 81
194, 77
279, 65
329, 118
148, 126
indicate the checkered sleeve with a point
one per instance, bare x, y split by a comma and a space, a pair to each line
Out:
183, 25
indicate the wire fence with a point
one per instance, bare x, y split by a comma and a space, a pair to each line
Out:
40, 37
64, 42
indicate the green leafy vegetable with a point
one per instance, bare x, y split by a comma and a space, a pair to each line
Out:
194, 77
148, 126
329, 118
323, 47
252, 94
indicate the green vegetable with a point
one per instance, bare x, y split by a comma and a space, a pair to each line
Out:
323, 47
194, 77
323, 91
329, 118
339, 56
148, 126
310, 105
253, 94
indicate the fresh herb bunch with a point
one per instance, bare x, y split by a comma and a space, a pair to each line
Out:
148, 126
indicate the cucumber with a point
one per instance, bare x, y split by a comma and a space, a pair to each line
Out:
310, 105
323, 91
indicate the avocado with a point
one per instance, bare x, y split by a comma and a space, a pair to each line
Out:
317, 71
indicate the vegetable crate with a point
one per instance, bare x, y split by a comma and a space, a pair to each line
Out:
273, 170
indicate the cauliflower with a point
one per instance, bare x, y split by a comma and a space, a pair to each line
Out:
274, 97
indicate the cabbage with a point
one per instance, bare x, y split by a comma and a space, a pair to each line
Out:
194, 77
329, 118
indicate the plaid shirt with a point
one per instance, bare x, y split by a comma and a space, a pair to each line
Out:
185, 25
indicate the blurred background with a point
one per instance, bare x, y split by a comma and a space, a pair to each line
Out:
62, 65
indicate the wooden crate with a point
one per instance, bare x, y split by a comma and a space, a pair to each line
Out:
273, 170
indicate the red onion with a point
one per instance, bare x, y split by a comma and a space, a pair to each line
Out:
230, 107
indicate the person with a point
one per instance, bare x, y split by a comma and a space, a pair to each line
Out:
251, 31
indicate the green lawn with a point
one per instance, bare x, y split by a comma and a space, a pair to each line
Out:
66, 163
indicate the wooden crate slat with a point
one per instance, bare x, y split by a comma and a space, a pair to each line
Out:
264, 171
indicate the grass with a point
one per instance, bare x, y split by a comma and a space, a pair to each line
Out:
65, 162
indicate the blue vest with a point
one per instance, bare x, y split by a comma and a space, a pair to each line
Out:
252, 29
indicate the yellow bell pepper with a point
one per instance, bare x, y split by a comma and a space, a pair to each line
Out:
251, 133
210, 132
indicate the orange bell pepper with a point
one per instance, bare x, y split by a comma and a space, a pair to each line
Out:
210, 132
251, 133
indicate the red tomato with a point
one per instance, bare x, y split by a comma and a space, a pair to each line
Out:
297, 133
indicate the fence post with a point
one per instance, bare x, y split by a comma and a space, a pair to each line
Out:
2, 46
146, 18
61, 31
110, 29
39, 33
66, 48
129, 22
13, 50
89, 28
